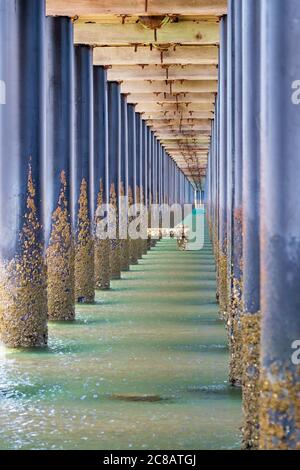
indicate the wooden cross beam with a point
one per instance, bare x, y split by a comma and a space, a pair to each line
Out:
148, 55
182, 32
169, 86
136, 7
119, 73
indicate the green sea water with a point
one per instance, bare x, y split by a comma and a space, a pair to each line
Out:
146, 367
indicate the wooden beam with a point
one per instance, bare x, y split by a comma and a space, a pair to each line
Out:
183, 32
136, 7
203, 124
146, 55
171, 115
159, 86
170, 98
119, 73
180, 107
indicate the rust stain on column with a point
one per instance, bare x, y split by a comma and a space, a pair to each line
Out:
60, 262
124, 244
84, 251
102, 252
23, 299
250, 378
133, 244
115, 258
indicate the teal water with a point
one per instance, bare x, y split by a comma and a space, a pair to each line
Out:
144, 368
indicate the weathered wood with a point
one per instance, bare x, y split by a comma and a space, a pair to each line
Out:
183, 32
136, 7
180, 107
120, 73
204, 124
132, 55
172, 115
159, 86
170, 98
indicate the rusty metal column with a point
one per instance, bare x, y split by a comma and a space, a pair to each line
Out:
144, 185
132, 176
280, 225
230, 175
139, 178
58, 227
125, 246
149, 184
23, 297
237, 258
251, 221
114, 147
102, 244
83, 213
222, 272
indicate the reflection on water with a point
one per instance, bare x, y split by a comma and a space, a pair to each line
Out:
143, 368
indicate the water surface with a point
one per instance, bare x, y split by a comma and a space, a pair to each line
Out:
144, 368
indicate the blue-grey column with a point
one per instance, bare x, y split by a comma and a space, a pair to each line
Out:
149, 183
144, 199
237, 253
139, 178
124, 241
59, 150
251, 221
223, 82
132, 176
100, 180
23, 297
114, 154
280, 225
230, 173
83, 213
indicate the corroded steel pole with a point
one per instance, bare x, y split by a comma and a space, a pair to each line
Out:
125, 248
23, 298
222, 271
58, 226
83, 213
145, 184
230, 168
280, 226
101, 198
114, 153
251, 221
237, 253
132, 193
139, 177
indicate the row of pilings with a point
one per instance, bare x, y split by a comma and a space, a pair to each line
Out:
69, 142
254, 214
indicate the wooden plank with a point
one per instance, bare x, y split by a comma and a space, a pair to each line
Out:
159, 86
171, 115
134, 98
132, 55
119, 73
204, 124
180, 107
136, 7
183, 32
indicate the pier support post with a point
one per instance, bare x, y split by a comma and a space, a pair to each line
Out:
101, 244
132, 195
83, 213
114, 140
251, 222
280, 226
125, 245
59, 138
222, 223
23, 297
